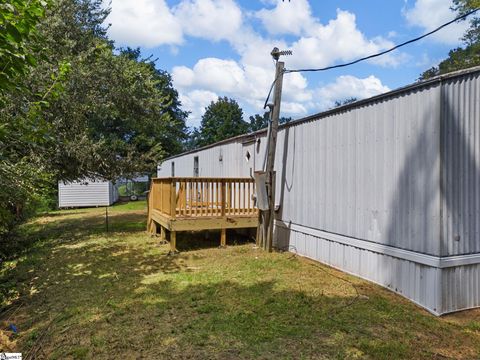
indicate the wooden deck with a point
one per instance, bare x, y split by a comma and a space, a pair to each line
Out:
194, 204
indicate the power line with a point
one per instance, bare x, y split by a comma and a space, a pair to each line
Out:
286, 71
461, 17
271, 88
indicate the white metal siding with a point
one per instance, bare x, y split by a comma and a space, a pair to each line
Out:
417, 282
370, 173
85, 193
461, 170
460, 288
399, 174
233, 162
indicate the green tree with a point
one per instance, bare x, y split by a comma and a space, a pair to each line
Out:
258, 122
83, 110
18, 21
347, 101
472, 35
193, 139
22, 132
461, 57
222, 119
117, 114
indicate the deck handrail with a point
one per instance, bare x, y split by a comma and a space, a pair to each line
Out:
187, 178
202, 196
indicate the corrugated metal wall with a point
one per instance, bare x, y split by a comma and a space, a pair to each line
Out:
370, 173
460, 288
461, 170
225, 160
84, 194
400, 172
417, 282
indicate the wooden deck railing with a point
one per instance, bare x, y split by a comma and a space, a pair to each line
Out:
202, 197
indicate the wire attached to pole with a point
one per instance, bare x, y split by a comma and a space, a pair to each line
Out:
286, 71
461, 17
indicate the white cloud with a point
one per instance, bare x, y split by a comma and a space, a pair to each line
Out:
146, 23
218, 74
321, 45
195, 101
151, 23
293, 108
339, 39
287, 17
429, 14
228, 78
248, 84
348, 86
183, 76
255, 49
215, 20
249, 78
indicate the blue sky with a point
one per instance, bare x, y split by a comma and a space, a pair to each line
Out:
221, 47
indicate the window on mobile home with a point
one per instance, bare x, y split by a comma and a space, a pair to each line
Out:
196, 171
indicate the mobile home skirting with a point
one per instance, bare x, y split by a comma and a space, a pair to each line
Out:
387, 188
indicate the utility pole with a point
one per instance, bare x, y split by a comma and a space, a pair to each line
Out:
266, 225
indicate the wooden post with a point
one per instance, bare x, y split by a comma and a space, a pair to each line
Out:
180, 197
269, 241
153, 227
270, 214
149, 208
162, 234
223, 238
258, 240
173, 198
223, 195
173, 242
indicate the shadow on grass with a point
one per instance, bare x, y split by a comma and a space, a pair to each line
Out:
197, 240
36, 237
56, 214
105, 302
86, 295
92, 224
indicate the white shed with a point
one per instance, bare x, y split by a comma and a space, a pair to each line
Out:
86, 193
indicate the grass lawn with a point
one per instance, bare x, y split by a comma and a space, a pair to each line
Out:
81, 293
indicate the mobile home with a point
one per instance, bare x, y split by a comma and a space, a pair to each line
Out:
386, 188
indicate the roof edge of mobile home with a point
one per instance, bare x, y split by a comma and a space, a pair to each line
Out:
317, 116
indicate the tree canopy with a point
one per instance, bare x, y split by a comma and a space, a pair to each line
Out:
258, 122
18, 20
73, 106
222, 119
102, 114
347, 101
461, 57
